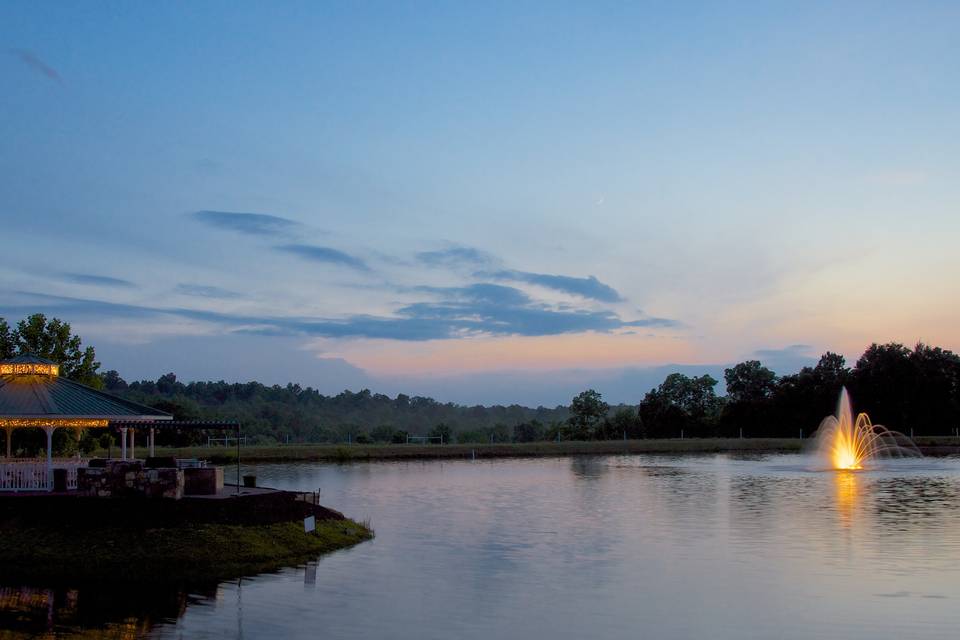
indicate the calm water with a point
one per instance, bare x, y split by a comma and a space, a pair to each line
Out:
609, 547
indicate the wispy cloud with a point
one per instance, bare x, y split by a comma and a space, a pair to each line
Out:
99, 281
324, 254
456, 257
206, 291
34, 62
257, 224
588, 287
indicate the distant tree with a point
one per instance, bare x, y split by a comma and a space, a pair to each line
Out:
399, 437
695, 396
499, 433
383, 433
556, 430
442, 431
167, 384
106, 440
587, 411
625, 422
113, 382
832, 371
53, 340
661, 417
472, 436
749, 381
532, 431
682, 403
8, 341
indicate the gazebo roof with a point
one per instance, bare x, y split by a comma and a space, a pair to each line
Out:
31, 388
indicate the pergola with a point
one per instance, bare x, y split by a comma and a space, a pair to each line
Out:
34, 395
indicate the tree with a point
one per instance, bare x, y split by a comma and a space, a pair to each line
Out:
625, 422
587, 411
442, 431
749, 381
681, 403
53, 340
383, 433
695, 396
499, 433
528, 431
8, 341
113, 382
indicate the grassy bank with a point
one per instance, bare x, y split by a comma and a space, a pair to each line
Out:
177, 554
363, 452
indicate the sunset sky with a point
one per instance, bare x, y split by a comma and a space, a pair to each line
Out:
484, 202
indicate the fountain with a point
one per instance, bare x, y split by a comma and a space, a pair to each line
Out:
846, 443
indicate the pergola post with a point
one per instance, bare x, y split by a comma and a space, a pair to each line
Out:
9, 431
153, 436
123, 443
49, 431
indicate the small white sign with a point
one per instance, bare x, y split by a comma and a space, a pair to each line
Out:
309, 524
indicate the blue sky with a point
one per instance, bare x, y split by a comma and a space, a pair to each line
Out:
485, 202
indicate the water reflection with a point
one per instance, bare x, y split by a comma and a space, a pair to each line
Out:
619, 546
846, 491
96, 611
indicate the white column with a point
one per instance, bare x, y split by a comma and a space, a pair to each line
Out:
153, 436
123, 443
49, 431
133, 454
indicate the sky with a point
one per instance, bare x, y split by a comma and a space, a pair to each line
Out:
490, 202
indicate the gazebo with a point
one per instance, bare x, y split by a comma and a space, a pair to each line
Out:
33, 395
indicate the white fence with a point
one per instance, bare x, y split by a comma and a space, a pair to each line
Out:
31, 474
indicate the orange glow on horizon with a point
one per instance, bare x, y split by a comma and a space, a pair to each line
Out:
471, 355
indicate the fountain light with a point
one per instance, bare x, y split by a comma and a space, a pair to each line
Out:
849, 443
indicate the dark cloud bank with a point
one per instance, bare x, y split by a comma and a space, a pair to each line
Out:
476, 309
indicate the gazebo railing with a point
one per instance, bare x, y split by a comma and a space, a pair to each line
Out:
32, 474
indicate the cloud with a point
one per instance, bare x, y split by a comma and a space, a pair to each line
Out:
474, 310
31, 60
456, 257
206, 291
486, 293
588, 287
100, 281
324, 254
788, 359
256, 224
792, 350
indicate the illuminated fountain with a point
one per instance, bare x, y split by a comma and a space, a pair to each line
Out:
846, 443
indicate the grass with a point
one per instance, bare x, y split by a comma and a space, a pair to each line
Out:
364, 452
178, 554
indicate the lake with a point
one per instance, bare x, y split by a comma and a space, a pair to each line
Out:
713, 546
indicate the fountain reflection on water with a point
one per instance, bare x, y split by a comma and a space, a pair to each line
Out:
848, 443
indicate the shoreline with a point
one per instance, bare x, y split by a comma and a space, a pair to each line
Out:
65, 539
929, 445
378, 452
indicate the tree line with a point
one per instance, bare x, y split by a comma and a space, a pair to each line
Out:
912, 390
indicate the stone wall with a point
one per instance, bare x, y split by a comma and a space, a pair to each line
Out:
128, 479
203, 481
